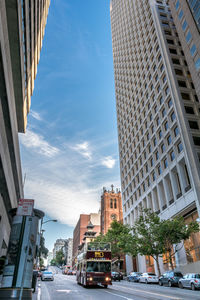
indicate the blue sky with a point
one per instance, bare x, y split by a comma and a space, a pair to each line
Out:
70, 150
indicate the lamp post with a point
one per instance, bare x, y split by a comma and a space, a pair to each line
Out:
41, 234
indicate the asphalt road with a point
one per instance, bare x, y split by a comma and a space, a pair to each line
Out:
65, 287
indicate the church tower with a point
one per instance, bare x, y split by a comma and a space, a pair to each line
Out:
111, 208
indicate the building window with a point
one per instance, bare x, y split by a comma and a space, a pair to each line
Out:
159, 170
189, 110
115, 203
182, 83
165, 163
170, 103
193, 49
184, 26
111, 203
177, 4
197, 64
193, 125
185, 96
151, 162
180, 147
179, 72
153, 176
160, 134
169, 139
176, 131
157, 155
173, 117
162, 148
172, 155
155, 142
188, 37
180, 15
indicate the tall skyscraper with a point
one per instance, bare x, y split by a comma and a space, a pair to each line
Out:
22, 26
186, 15
158, 115
111, 208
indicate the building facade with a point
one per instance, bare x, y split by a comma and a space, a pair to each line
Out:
111, 208
158, 115
68, 251
186, 15
81, 228
21, 32
59, 245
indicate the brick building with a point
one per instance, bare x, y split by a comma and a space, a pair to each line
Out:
81, 228
111, 208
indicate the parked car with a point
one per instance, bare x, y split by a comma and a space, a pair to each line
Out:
170, 278
148, 278
115, 276
191, 280
134, 276
121, 275
69, 272
46, 275
74, 272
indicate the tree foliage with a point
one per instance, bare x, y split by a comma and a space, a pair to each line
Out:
121, 239
155, 237
149, 236
43, 251
59, 257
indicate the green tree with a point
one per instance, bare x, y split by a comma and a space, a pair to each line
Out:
53, 262
146, 232
59, 257
173, 232
154, 237
43, 251
121, 239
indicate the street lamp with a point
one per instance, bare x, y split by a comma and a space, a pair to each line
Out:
41, 233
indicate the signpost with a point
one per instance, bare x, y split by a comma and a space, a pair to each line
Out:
25, 207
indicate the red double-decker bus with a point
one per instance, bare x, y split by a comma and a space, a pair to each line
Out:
94, 265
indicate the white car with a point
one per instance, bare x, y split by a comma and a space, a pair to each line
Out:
148, 278
46, 275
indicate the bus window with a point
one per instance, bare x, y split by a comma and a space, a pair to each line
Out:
92, 266
104, 266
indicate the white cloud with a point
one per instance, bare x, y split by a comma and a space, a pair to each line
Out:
83, 149
35, 115
64, 203
108, 162
37, 142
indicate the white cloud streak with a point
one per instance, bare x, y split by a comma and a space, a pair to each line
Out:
37, 143
35, 115
108, 162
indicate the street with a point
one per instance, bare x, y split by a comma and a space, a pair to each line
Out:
65, 287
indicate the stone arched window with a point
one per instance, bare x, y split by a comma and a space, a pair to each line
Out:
111, 203
115, 203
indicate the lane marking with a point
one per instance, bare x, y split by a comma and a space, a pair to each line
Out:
155, 294
119, 295
39, 292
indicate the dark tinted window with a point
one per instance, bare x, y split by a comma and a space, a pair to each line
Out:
178, 274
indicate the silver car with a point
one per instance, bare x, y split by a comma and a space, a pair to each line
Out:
46, 275
148, 278
190, 280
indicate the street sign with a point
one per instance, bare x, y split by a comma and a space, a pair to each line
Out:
25, 207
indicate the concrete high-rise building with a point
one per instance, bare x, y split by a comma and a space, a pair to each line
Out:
68, 251
81, 228
22, 26
59, 245
186, 15
158, 115
111, 208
